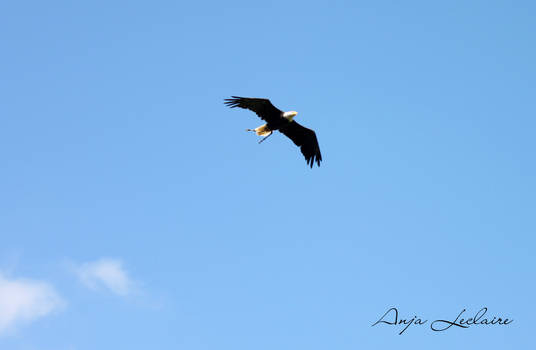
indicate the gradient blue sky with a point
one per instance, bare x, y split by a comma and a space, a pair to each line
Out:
119, 156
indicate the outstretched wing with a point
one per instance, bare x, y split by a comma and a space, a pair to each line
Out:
306, 140
261, 106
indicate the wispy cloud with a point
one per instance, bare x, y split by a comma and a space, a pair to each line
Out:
24, 300
106, 274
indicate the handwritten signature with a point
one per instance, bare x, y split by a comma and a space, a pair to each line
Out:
392, 318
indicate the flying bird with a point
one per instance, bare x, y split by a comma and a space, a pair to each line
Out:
284, 122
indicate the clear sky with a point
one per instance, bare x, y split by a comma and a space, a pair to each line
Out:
136, 212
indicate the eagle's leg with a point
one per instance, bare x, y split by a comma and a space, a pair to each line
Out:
271, 132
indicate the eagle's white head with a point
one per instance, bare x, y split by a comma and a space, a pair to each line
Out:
290, 115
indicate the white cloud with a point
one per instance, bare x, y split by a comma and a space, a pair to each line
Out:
24, 300
105, 273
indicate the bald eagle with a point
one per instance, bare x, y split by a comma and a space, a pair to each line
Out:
282, 121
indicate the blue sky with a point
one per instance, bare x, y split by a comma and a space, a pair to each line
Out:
137, 213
